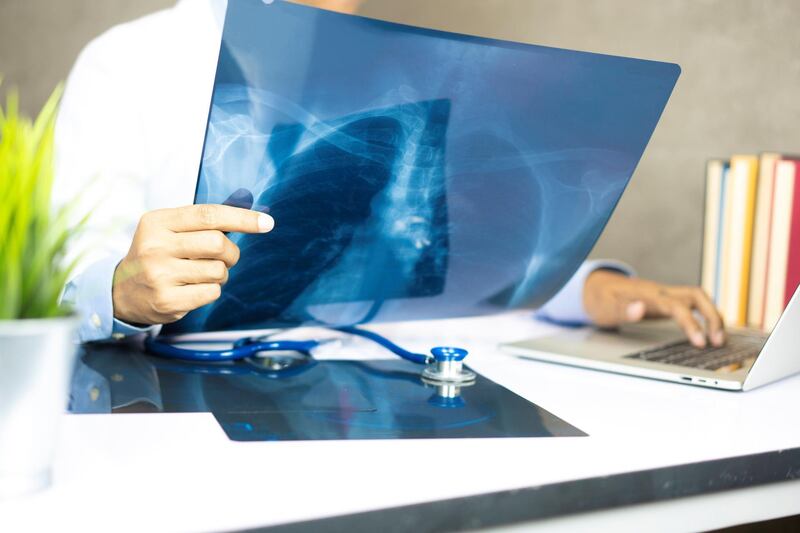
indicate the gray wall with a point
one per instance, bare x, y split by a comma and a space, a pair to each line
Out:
739, 92
40, 39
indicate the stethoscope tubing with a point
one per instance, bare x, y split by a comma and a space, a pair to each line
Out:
240, 350
249, 347
418, 358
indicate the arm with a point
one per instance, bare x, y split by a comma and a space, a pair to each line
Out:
96, 133
567, 306
174, 260
607, 294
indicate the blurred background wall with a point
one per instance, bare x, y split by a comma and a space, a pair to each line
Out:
739, 92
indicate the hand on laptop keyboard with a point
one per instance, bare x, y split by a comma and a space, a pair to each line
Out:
740, 351
611, 299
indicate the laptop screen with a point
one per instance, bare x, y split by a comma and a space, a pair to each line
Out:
411, 173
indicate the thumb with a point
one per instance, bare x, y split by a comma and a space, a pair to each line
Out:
617, 310
634, 311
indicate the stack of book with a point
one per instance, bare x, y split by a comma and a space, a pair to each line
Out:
751, 244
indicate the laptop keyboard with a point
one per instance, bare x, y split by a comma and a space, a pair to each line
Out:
738, 350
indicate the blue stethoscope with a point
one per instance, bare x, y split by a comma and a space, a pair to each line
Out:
443, 363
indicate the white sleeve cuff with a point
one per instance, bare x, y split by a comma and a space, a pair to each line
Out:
90, 294
566, 307
122, 329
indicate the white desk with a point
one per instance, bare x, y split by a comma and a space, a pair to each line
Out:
179, 472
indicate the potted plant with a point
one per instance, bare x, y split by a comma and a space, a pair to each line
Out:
37, 346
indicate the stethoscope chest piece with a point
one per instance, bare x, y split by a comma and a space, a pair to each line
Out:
447, 368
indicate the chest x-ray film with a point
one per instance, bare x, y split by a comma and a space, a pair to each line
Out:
411, 173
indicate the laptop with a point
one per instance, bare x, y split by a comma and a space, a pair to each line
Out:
659, 350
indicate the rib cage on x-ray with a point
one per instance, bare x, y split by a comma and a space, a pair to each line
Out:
360, 195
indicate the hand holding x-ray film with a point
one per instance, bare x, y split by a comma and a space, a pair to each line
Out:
179, 260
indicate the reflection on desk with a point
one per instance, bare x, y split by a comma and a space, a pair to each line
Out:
316, 400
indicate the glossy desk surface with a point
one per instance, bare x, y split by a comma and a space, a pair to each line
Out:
180, 472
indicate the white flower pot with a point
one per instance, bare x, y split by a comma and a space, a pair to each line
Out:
36, 364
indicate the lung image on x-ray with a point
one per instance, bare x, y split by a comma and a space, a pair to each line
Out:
363, 193
411, 173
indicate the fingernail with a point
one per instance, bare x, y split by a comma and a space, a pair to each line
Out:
265, 223
698, 339
718, 338
635, 311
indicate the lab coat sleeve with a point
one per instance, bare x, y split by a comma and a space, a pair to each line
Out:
90, 294
96, 141
566, 307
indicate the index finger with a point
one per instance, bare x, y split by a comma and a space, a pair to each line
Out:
215, 217
716, 326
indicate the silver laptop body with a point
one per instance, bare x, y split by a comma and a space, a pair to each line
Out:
659, 350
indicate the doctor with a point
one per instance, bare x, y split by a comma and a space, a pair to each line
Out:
129, 137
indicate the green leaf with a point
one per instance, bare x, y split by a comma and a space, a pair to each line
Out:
34, 238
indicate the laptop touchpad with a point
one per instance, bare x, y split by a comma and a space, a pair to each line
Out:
608, 344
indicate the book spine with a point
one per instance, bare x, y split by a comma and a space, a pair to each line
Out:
761, 239
711, 227
761, 318
740, 204
784, 193
747, 238
793, 264
722, 241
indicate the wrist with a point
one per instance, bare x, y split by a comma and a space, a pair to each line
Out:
119, 298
